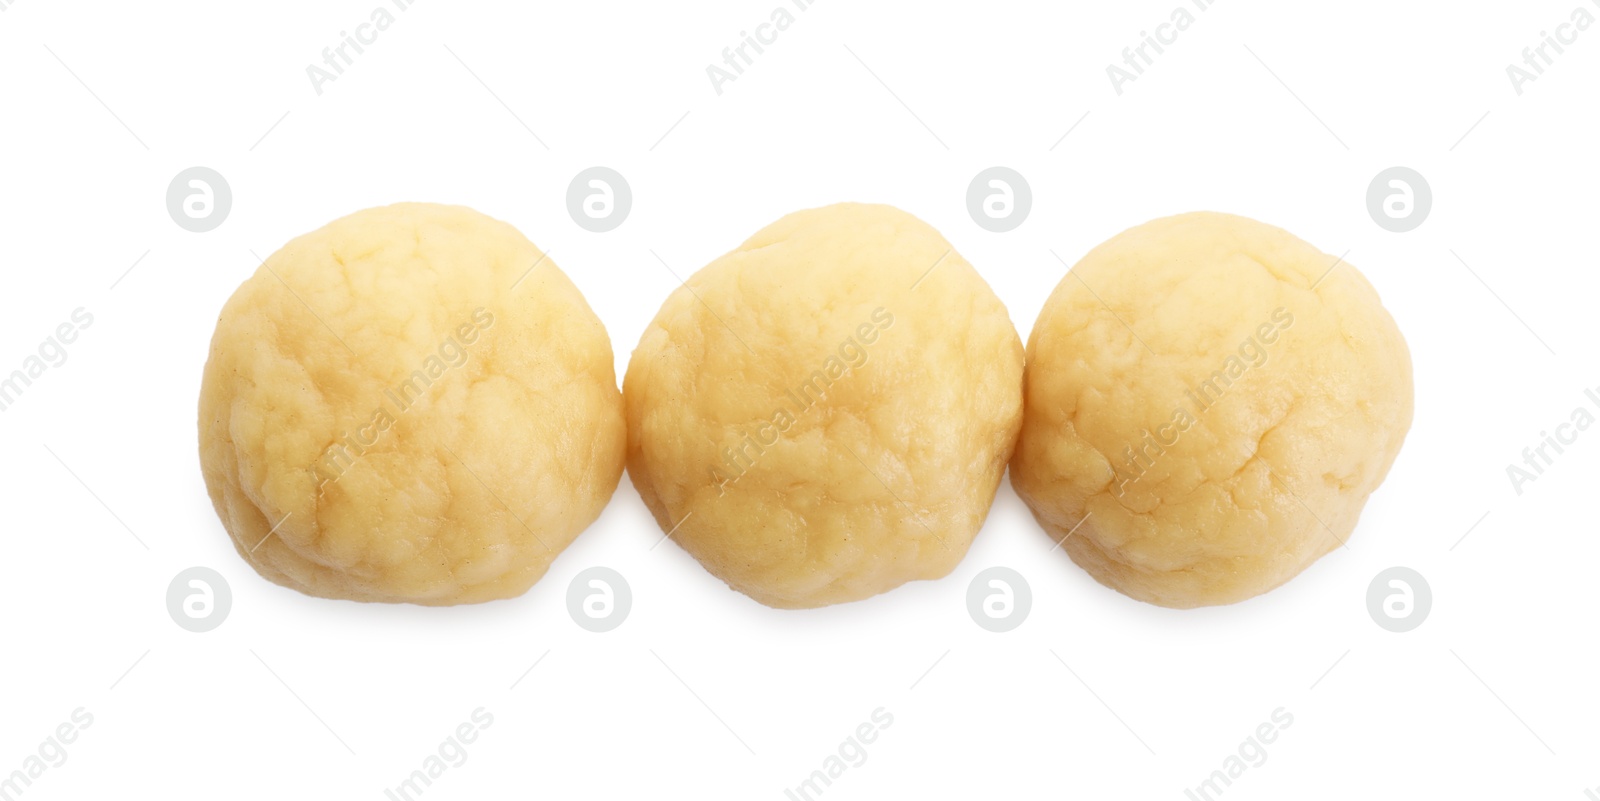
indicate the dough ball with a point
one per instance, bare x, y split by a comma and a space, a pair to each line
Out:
1208, 406
825, 413
416, 404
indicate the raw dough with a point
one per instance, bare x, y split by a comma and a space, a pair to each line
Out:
825, 413
1213, 422
406, 425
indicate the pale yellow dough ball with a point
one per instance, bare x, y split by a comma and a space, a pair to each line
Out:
1210, 401
411, 404
825, 413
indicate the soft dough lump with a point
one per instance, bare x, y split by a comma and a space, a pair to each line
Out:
825, 413
1209, 403
411, 404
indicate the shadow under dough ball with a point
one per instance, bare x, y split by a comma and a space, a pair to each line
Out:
1209, 403
411, 404
825, 413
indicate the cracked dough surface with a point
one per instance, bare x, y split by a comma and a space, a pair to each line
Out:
902, 407
504, 434
1194, 489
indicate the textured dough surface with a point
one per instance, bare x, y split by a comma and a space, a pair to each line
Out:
857, 388
498, 449
1279, 453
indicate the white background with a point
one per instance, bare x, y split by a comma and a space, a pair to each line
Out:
702, 693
